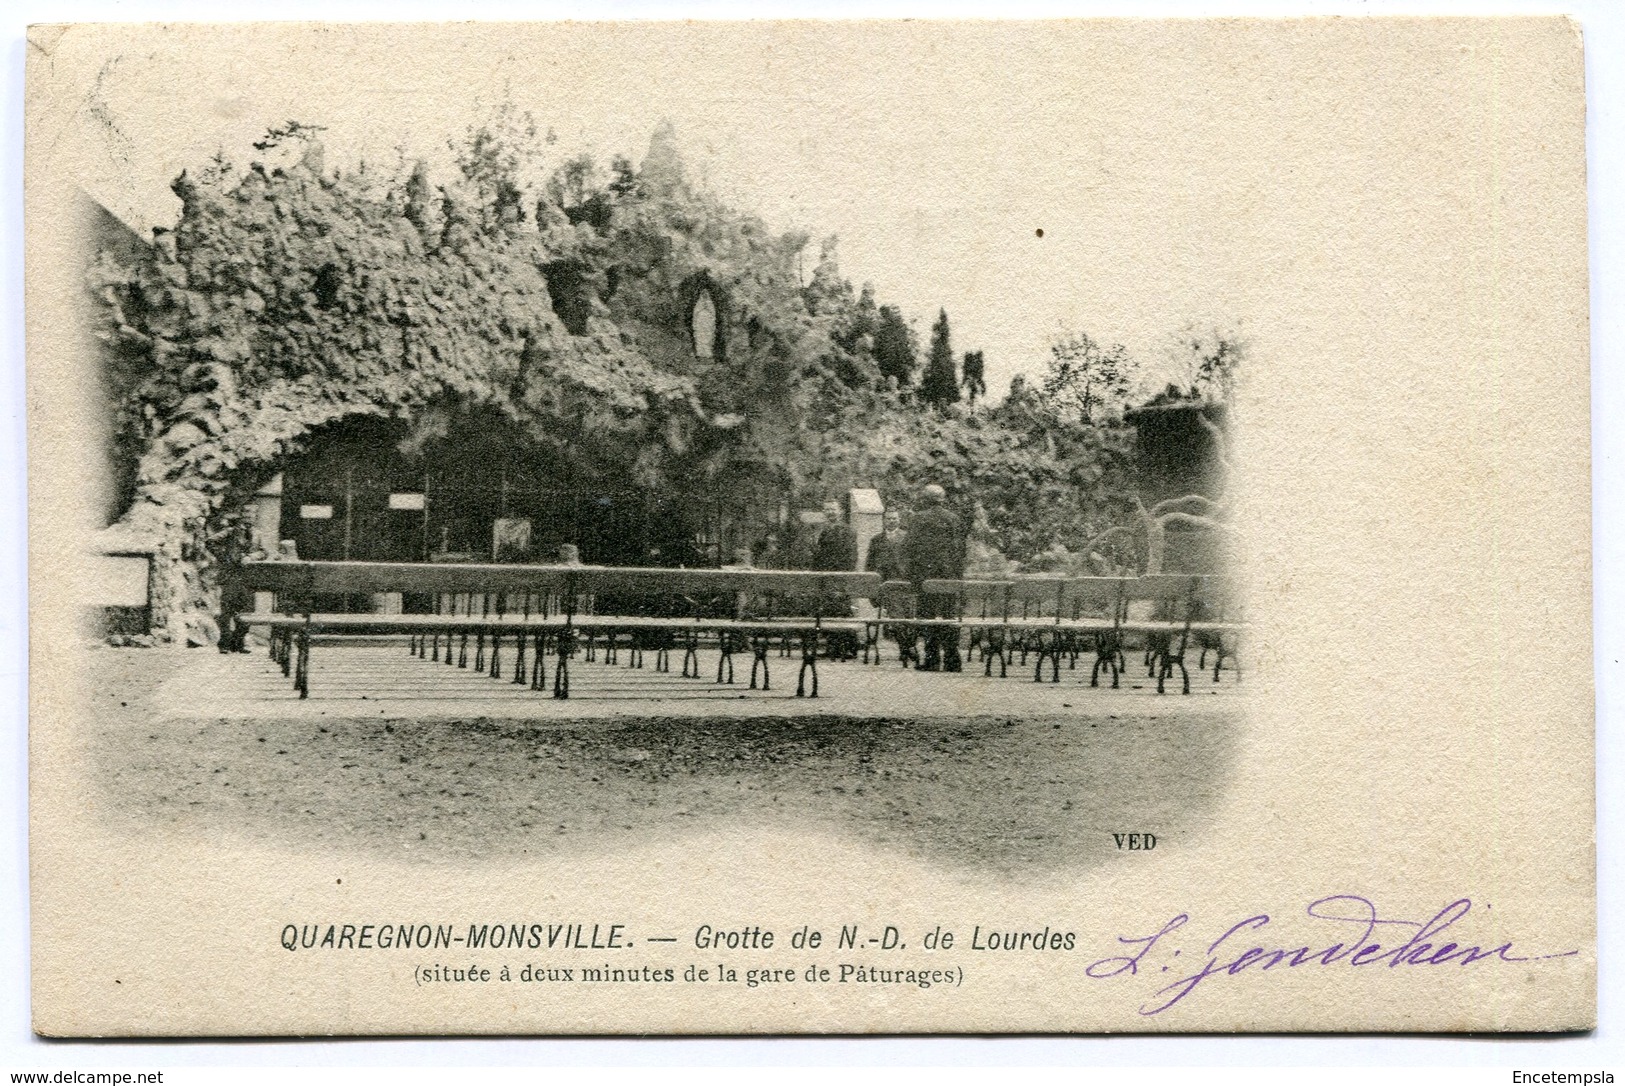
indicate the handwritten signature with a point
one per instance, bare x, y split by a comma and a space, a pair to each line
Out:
1419, 947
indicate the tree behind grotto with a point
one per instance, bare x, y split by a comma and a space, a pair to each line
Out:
1039, 482
973, 376
1084, 376
895, 351
1204, 359
940, 386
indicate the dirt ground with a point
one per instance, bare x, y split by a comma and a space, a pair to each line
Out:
984, 791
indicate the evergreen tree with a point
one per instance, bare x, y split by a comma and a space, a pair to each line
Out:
973, 375
860, 335
894, 346
940, 387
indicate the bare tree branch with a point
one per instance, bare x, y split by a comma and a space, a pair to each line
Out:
1193, 521
1190, 503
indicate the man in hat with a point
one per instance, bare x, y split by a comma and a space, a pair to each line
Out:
886, 549
837, 548
934, 549
886, 558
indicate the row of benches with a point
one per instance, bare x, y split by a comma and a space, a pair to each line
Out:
562, 610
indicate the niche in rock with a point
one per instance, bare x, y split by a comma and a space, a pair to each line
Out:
326, 287
705, 310
571, 294
704, 326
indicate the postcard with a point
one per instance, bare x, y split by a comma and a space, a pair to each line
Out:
809, 527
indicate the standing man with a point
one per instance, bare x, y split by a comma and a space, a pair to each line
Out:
837, 548
235, 599
886, 549
886, 558
934, 549
837, 552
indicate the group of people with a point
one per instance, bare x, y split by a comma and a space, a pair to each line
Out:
928, 544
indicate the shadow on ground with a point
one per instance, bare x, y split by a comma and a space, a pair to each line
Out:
991, 794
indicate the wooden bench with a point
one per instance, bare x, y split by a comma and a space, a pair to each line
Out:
896, 606
1219, 616
981, 607
543, 607
1046, 616
1183, 606
1052, 617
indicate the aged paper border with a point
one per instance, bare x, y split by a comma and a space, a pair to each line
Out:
1398, 390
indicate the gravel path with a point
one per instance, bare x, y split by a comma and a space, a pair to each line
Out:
982, 791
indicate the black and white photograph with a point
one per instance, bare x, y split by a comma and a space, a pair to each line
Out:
806, 527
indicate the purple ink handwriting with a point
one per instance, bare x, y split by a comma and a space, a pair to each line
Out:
1363, 939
